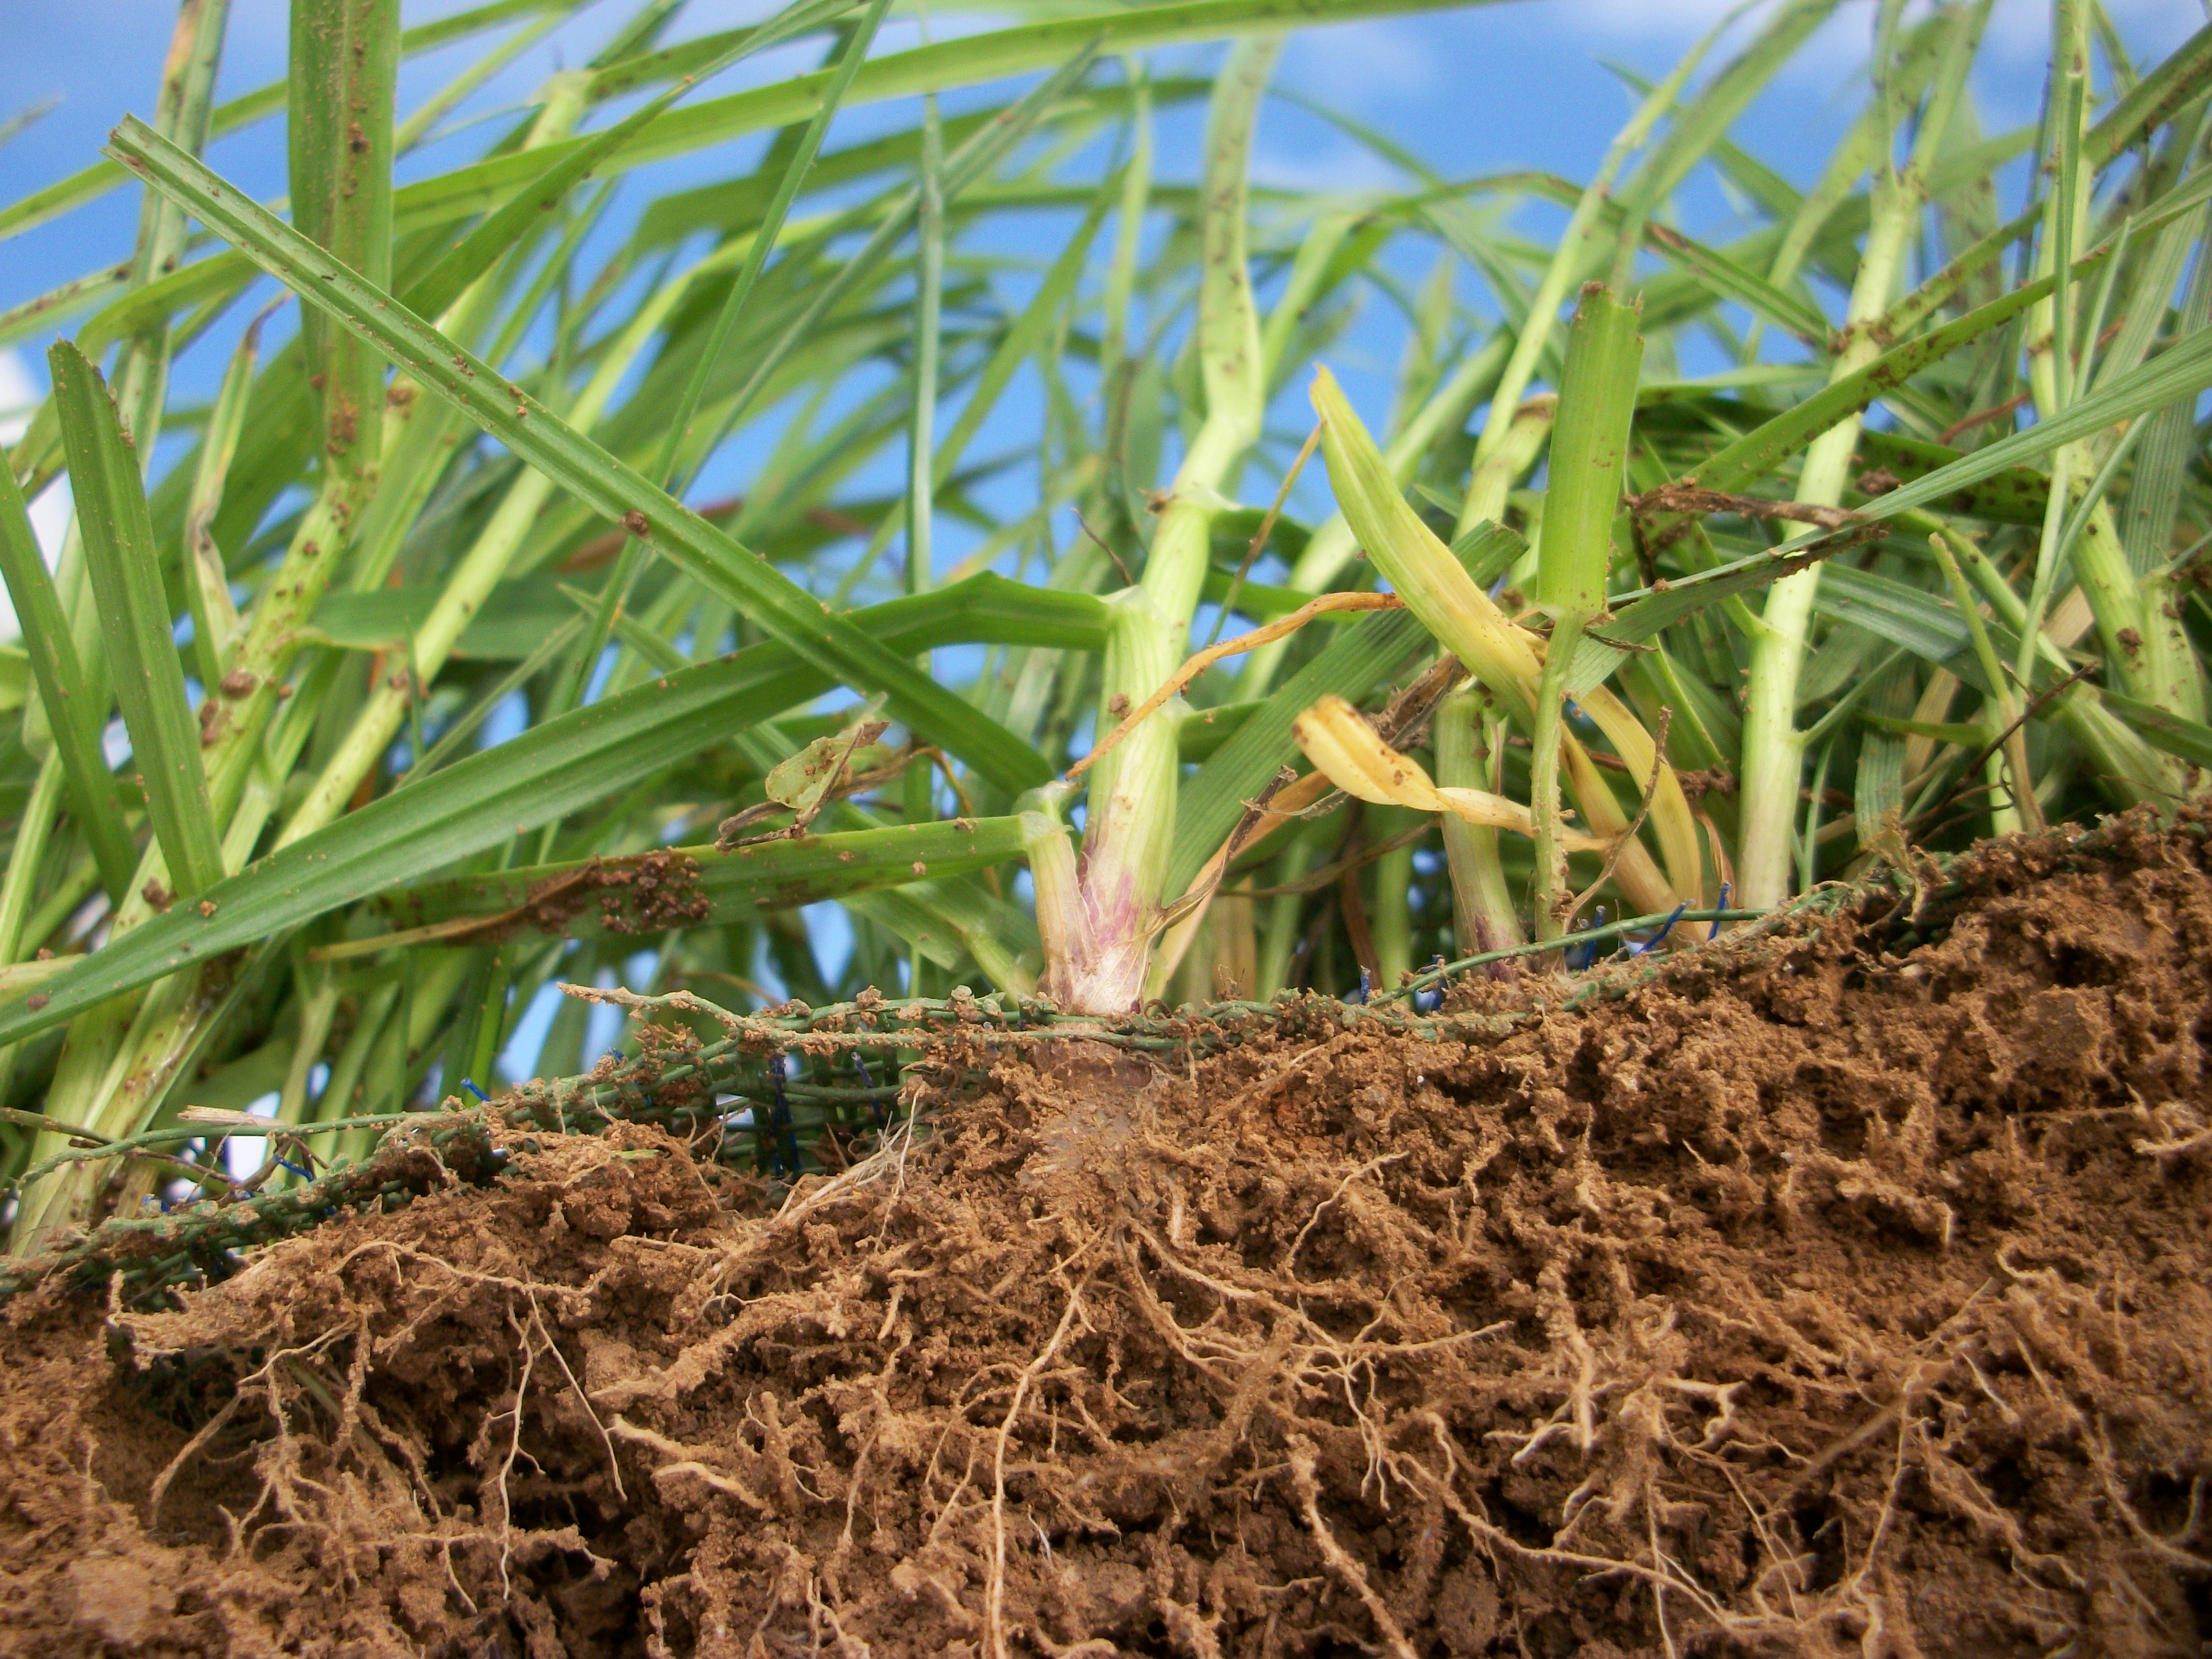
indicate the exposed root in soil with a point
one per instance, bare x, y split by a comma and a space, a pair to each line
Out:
1847, 1303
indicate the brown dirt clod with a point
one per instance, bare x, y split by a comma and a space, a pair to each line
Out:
1844, 1302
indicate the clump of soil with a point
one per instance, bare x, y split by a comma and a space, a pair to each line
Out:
1817, 1301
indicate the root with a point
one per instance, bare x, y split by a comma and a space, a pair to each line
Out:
514, 1449
583, 1399
994, 1593
1612, 1317
190, 1449
1303, 1462
1289, 1265
687, 1465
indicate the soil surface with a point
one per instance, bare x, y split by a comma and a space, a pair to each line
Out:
1824, 1301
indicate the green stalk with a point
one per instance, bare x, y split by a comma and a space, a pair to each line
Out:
2128, 766
2145, 644
1491, 482
33, 833
206, 580
1498, 652
1589, 446
1132, 790
1279, 937
2004, 707
75, 716
1470, 755
921, 433
1773, 748
315, 996
587, 471
124, 575
371, 1010
183, 112
119, 1059
1390, 918
345, 62
141, 365
1116, 371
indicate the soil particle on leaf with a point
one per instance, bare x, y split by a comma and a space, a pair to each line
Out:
1837, 1300
662, 892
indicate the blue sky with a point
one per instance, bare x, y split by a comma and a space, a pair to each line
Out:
1488, 88
1491, 86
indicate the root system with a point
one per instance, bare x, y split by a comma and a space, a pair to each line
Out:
1850, 1301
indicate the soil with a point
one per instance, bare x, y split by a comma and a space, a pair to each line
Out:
1830, 1299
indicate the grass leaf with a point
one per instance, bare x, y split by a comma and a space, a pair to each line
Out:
125, 576
609, 486
75, 718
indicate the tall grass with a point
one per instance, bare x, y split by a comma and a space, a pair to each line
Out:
1921, 559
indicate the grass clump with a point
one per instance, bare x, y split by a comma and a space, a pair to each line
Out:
1644, 642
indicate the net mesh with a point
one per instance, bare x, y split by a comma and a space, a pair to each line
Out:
788, 1090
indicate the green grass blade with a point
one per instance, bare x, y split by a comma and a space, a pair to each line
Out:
58, 305
214, 278
549, 773
206, 580
1921, 621
1027, 335
2154, 497
961, 168
1709, 116
1589, 439
764, 239
345, 64
1575, 254
2185, 739
1589, 442
126, 576
2166, 92
928, 343
422, 120
1730, 281
583, 898
91, 183
75, 720
1757, 453
570, 165
1643, 616
1029, 47
2015, 495
948, 919
609, 486
2181, 370
548, 647
948, 65
181, 113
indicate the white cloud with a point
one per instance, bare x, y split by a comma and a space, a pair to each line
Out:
1394, 58
19, 395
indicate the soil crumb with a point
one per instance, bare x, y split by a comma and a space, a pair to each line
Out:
1839, 1300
